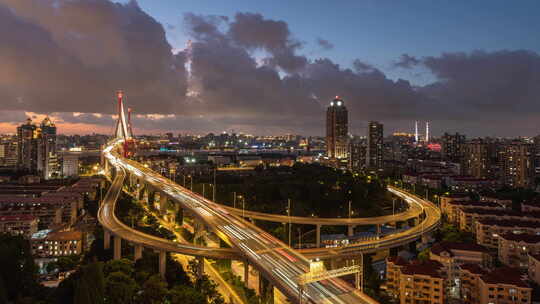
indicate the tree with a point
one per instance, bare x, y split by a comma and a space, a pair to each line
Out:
18, 271
175, 274
181, 294
154, 291
424, 255
209, 290
120, 288
122, 265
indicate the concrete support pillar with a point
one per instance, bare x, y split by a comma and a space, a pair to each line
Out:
200, 271
246, 273
162, 203
333, 264
162, 263
318, 235
378, 228
138, 252
350, 230
106, 239
117, 247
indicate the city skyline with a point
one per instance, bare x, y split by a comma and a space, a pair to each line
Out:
286, 70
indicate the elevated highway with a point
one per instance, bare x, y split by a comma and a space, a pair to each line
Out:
281, 265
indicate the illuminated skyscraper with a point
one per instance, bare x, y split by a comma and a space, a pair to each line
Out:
374, 151
337, 127
27, 143
47, 161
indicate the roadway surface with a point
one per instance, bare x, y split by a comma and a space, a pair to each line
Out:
427, 225
108, 219
413, 211
280, 264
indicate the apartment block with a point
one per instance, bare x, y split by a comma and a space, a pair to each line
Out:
514, 249
453, 254
46, 243
25, 225
487, 231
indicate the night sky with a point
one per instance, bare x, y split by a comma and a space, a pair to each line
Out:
271, 67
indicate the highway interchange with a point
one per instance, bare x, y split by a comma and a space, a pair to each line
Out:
279, 263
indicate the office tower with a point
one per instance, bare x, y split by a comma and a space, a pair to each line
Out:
374, 150
453, 147
47, 161
357, 156
518, 165
477, 159
27, 142
336, 129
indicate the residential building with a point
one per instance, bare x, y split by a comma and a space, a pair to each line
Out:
47, 243
469, 277
467, 217
374, 150
357, 156
515, 248
518, 165
70, 165
337, 128
25, 225
453, 254
487, 230
534, 268
504, 285
422, 282
476, 159
453, 147
27, 143
47, 159
393, 272
451, 208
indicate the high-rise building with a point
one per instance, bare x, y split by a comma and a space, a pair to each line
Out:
357, 156
476, 159
27, 142
374, 150
518, 165
70, 165
47, 160
337, 127
453, 146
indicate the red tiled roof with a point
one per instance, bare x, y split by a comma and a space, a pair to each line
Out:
522, 237
505, 275
473, 268
398, 260
449, 246
509, 223
475, 203
430, 268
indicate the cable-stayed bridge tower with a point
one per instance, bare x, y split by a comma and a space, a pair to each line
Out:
123, 128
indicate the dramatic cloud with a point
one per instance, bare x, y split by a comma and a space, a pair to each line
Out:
325, 44
60, 55
246, 72
406, 61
